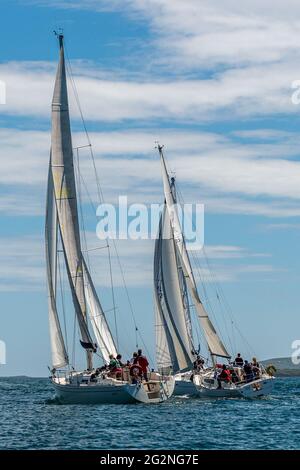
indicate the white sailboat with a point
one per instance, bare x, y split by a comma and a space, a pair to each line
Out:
62, 224
174, 282
174, 348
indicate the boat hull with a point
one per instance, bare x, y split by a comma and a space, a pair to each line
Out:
184, 385
112, 391
152, 391
255, 389
92, 394
258, 388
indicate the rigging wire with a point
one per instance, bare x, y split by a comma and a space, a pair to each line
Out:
79, 191
101, 199
213, 280
211, 307
113, 296
198, 267
217, 285
74, 342
218, 288
80, 179
107, 244
71, 75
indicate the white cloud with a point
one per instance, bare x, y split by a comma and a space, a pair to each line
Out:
220, 172
210, 32
281, 226
20, 203
22, 266
24, 156
243, 58
234, 205
254, 91
226, 174
234, 273
23, 263
229, 252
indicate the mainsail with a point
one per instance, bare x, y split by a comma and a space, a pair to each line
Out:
58, 349
173, 341
214, 343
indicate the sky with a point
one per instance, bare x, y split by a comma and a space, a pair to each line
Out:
212, 82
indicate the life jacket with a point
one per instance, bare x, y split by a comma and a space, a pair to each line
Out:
225, 375
239, 361
136, 370
228, 378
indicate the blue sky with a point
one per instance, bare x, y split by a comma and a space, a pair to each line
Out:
213, 83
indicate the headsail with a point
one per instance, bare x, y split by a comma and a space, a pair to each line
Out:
173, 343
58, 349
215, 344
65, 195
100, 326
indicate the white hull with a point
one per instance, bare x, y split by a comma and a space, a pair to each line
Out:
68, 394
152, 392
112, 391
254, 389
184, 385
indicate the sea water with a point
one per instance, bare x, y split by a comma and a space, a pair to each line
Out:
31, 419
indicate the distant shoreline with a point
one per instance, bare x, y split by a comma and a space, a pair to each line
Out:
287, 373
283, 365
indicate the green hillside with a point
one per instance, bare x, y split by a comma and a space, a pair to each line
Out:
284, 366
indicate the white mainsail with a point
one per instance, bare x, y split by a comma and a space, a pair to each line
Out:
100, 326
214, 343
58, 349
65, 195
62, 219
173, 341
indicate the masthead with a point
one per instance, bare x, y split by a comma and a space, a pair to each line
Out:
60, 36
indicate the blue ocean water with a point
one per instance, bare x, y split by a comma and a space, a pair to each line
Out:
30, 419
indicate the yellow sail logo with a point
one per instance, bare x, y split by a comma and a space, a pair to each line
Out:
60, 187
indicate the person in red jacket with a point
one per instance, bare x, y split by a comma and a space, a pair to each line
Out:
224, 376
142, 361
